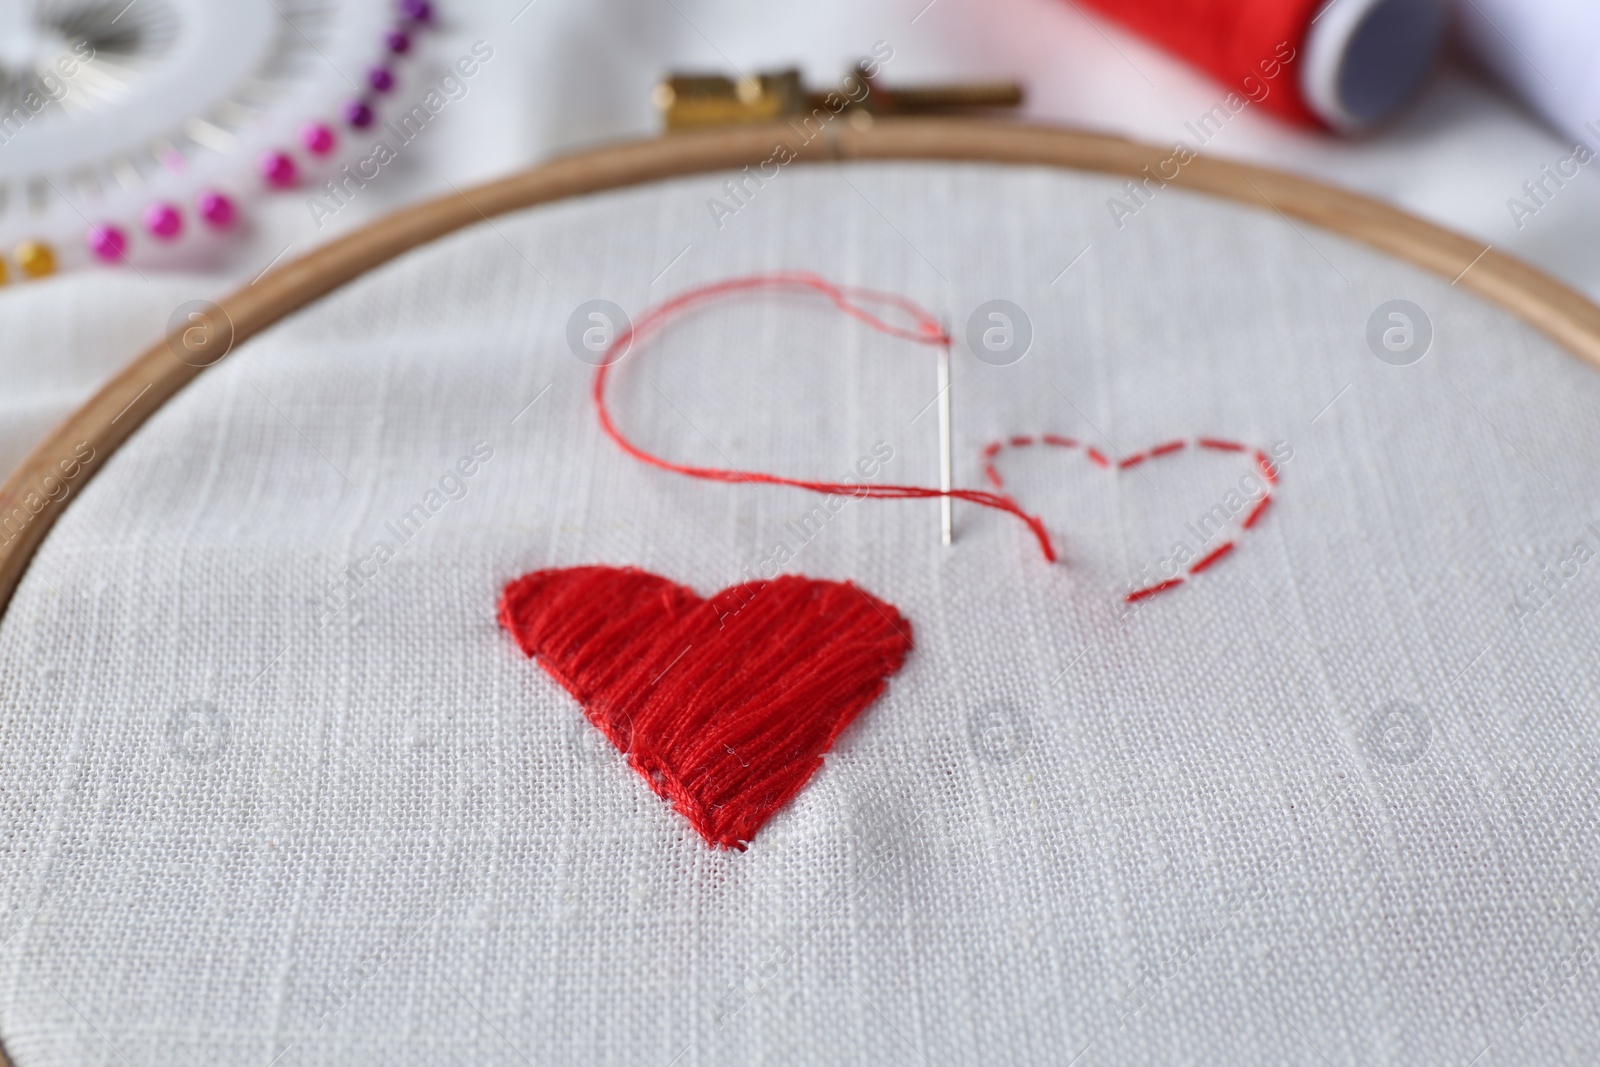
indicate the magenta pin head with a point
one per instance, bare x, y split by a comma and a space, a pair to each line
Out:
106, 241
163, 220
278, 168
381, 79
397, 41
216, 208
317, 137
358, 114
417, 10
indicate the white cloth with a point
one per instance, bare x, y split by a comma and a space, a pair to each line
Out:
63, 338
246, 819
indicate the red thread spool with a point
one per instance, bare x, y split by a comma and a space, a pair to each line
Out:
1343, 63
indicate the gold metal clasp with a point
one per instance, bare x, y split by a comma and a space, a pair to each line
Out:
703, 101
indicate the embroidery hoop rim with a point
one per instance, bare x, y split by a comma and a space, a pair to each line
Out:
109, 417
122, 404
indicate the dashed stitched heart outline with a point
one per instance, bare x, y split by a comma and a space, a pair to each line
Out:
1264, 464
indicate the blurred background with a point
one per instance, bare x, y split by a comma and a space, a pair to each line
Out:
180, 148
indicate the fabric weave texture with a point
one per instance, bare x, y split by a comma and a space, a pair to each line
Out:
277, 784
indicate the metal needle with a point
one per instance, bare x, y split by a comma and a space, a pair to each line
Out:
946, 533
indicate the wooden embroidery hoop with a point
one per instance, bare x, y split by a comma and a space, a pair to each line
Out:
109, 417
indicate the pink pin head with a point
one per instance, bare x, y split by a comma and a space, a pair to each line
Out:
106, 241
278, 168
163, 221
216, 208
317, 138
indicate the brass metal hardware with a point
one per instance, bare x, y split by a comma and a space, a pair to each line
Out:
701, 101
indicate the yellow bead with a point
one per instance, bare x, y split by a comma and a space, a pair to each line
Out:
35, 259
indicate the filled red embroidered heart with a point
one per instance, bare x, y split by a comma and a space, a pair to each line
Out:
725, 705
1248, 512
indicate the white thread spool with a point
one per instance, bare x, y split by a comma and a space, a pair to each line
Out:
1547, 52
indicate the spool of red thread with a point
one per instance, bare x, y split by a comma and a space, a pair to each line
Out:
1346, 64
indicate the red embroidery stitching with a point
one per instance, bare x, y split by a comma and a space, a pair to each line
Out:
852, 300
1211, 557
1255, 512
725, 705
1160, 587
992, 450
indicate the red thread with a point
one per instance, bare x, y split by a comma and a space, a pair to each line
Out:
1255, 512
848, 299
1248, 45
1021, 442
994, 448
1267, 470
1206, 561
1222, 446
1159, 587
724, 706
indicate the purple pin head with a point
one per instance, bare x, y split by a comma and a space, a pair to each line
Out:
358, 114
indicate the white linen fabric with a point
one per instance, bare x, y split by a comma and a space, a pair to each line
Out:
63, 341
269, 798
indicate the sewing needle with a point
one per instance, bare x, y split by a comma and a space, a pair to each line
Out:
945, 531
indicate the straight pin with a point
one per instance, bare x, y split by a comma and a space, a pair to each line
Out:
946, 531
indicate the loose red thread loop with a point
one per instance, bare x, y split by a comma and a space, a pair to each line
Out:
992, 451
848, 299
